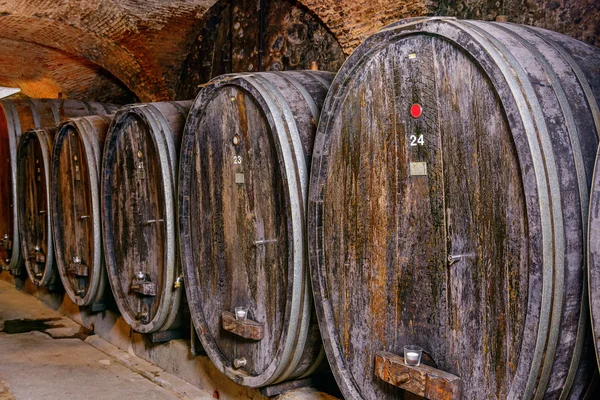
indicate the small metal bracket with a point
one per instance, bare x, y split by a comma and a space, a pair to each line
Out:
452, 258
247, 328
265, 241
140, 170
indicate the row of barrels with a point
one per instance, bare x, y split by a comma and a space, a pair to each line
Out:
442, 202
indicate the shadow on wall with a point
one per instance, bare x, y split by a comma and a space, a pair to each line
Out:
229, 41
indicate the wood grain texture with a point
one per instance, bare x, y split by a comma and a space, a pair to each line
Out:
422, 380
75, 186
17, 116
247, 328
480, 260
138, 212
243, 179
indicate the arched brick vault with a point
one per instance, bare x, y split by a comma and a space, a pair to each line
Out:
44, 72
143, 43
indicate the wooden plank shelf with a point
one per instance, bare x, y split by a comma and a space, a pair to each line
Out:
423, 380
166, 336
247, 329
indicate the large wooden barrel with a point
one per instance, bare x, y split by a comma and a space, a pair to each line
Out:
75, 202
33, 205
243, 182
594, 257
17, 116
138, 212
448, 208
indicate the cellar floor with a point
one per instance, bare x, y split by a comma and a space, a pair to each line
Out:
44, 355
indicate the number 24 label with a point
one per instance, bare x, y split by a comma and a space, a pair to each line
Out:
414, 141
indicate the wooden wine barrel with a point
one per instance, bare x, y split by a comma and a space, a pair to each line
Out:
17, 116
75, 202
243, 181
138, 212
448, 209
33, 205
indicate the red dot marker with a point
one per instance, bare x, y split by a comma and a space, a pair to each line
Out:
416, 111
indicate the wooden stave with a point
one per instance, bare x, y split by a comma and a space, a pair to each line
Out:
29, 114
92, 133
579, 328
44, 137
153, 114
362, 53
576, 128
265, 93
556, 328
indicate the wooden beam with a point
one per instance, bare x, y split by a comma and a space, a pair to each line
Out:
166, 336
247, 328
423, 380
279, 388
79, 269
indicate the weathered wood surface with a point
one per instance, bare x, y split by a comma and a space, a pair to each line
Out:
17, 116
242, 187
75, 201
33, 205
247, 328
140, 162
422, 380
507, 138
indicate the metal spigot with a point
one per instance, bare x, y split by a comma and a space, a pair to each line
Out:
143, 315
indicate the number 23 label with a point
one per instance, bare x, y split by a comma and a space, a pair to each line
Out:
237, 159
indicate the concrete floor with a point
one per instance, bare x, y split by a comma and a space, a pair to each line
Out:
44, 355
